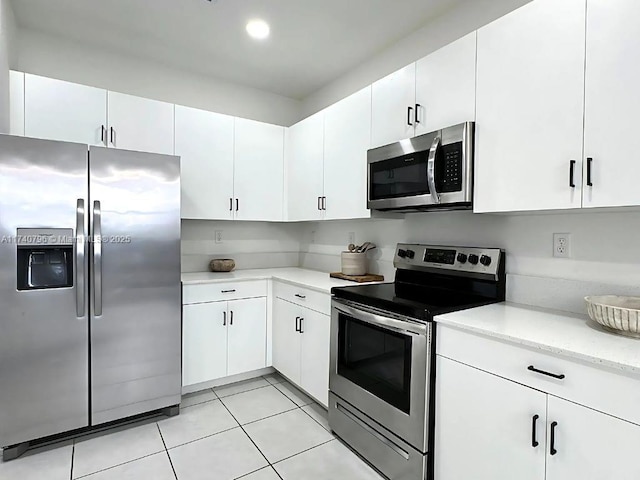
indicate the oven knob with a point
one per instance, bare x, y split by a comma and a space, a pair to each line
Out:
462, 257
411, 254
473, 259
485, 260
402, 253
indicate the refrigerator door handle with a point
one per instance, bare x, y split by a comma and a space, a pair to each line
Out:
81, 242
97, 259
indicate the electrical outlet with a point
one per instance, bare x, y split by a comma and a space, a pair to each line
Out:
562, 245
352, 238
218, 236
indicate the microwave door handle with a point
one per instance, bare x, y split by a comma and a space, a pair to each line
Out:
431, 170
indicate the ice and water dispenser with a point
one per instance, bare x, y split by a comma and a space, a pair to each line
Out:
45, 258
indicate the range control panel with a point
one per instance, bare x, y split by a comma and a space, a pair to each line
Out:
485, 261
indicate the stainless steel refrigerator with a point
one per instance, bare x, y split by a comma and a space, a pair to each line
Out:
90, 295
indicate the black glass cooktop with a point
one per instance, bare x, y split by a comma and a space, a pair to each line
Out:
416, 301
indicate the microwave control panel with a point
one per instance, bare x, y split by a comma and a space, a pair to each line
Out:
451, 180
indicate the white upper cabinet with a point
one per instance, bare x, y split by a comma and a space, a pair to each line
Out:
204, 141
484, 426
590, 445
16, 103
58, 110
529, 117
140, 124
612, 103
347, 137
393, 107
259, 171
446, 86
305, 153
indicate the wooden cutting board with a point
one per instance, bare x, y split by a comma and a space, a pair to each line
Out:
369, 277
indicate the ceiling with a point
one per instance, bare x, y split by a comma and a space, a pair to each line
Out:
312, 41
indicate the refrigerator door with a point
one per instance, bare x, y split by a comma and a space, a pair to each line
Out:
44, 349
135, 283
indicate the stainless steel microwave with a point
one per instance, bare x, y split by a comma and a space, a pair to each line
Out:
432, 171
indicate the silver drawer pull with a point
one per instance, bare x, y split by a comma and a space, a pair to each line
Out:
228, 291
300, 296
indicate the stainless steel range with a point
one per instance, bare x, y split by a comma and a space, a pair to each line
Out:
382, 372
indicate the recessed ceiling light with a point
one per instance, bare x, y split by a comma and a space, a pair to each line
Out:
258, 29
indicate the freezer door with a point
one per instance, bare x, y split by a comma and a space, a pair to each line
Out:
135, 283
44, 349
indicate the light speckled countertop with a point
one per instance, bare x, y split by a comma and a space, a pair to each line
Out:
555, 332
319, 281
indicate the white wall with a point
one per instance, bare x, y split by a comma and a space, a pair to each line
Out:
605, 248
250, 244
7, 37
467, 17
55, 57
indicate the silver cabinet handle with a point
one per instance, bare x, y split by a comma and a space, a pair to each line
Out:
97, 259
431, 170
81, 242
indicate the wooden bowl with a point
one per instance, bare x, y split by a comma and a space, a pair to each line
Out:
222, 264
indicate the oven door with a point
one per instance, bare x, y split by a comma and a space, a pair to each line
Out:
380, 364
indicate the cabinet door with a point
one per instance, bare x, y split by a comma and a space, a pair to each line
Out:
57, 110
316, 334
530, 108
484, 426
204, 141
140, 124
446, 86
612, 102
392, 98
204, 342
286, 340
305, 159
247, 345
347, 136
259, 171
16, 103
590, 445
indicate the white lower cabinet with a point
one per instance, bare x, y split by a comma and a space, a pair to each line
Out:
301, 347
487, 421
591, 445
223, 338
204, 342
246, 335
504, 430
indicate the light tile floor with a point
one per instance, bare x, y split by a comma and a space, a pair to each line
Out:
260, 429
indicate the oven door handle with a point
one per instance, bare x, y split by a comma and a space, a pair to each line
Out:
431, 170
400, 326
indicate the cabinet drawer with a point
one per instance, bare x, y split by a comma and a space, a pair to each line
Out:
215, 292
607, 390
320, 302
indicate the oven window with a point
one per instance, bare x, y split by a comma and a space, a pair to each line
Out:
376, 359
400, 177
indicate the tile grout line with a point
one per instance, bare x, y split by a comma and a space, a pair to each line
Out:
118, 465
73, 453
201, 438
303, 451
251, 439
167, 452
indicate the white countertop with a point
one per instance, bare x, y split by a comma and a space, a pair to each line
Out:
312, 279
556, 332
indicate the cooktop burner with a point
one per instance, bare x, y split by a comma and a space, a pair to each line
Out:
434, 280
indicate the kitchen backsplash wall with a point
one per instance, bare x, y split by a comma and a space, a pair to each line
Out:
250, 244
605, 257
